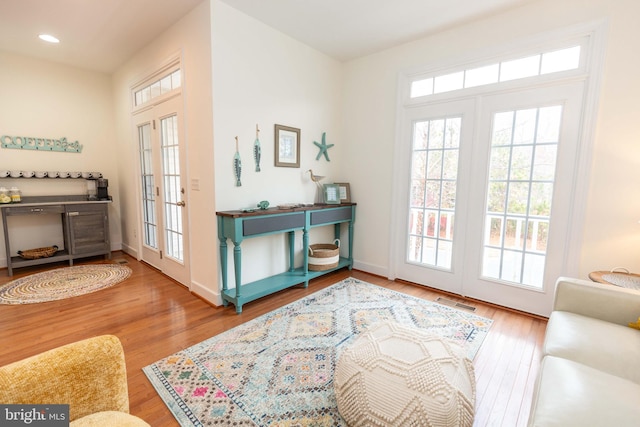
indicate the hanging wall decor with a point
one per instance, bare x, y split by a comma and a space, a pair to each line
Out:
287, 146
42, 144
237, 165
323, 147
257, 151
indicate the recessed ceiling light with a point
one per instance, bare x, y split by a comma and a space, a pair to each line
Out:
48, 38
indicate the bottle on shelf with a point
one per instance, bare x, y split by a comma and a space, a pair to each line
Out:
15, 195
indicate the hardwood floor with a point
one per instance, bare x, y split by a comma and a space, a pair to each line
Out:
154, 317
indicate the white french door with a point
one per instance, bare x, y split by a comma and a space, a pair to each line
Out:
164, 226
489, 185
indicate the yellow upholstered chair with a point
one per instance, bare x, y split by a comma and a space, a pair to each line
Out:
90, 376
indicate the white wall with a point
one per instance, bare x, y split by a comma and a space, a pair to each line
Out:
49, 100
189, 37
611, 235
261, 76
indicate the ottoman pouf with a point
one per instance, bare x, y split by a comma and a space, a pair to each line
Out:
393, 375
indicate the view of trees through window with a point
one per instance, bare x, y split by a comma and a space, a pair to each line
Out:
434, 177
521, 174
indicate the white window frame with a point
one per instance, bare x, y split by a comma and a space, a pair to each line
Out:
592, 39
170, 66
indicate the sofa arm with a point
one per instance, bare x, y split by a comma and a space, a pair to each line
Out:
599, 301
90, 376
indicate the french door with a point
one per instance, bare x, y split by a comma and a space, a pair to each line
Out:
163, 207
488, 187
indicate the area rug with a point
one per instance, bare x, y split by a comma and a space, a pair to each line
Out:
62, 283
277, 370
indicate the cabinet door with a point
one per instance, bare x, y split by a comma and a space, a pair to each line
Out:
88, 227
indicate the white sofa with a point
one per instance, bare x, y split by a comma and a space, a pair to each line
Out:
590, 370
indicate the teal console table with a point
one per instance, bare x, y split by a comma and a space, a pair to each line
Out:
238, 225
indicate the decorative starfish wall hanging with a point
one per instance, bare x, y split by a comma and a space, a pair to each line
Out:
323, 147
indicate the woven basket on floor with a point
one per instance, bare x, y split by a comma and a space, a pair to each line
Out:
45, 252
324, 256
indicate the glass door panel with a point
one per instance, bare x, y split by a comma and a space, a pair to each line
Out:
434, 173
522, 168
173, 191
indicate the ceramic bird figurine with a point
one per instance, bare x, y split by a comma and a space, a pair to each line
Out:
237, 165
257, 151
319, 193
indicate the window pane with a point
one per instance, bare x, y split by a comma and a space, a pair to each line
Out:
418, 165
165, 84
420, 133
434, 170
421, 88
499, 164
525, 126
521, 158
176, 79
497, 198
448, 82
436, 134
452, 137
549, 124
482, 75
560, 60
520, 68
544, 168
502, 128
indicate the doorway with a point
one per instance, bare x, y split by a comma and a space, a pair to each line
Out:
488, 187
164, 226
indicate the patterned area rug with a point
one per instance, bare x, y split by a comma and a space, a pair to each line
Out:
62, 283
277, 370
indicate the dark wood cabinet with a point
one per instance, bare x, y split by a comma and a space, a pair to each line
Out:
88, 227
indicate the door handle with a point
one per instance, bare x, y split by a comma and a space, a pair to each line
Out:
181, 203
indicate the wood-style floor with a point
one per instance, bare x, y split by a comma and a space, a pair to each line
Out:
154, 317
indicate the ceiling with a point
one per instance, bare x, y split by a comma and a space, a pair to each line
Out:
102, 34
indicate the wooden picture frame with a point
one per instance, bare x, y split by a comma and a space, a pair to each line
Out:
331, 194
344, 191
287, 146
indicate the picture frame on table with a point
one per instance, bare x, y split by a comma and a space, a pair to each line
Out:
331, 194
344, 191
287, 146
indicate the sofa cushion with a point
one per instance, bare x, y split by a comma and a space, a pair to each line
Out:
571, 394
605, 346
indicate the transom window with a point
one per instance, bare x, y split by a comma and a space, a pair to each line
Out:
528, 66
166, 83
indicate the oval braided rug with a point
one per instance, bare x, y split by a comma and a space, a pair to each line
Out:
62, 283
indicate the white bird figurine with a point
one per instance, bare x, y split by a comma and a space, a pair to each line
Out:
315, 178
320, 192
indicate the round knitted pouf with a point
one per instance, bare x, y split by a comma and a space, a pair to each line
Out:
398, 376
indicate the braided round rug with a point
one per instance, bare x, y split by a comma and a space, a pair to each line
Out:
62, 283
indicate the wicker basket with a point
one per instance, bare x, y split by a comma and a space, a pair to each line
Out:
38, 252
324, 256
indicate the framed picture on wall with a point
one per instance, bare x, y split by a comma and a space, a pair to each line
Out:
287, 146
344, 192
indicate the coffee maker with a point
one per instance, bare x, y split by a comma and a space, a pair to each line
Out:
103, 190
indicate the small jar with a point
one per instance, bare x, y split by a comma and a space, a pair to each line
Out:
4, 195
15, 195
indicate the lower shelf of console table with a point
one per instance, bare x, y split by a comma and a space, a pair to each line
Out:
263, 287
237, 226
